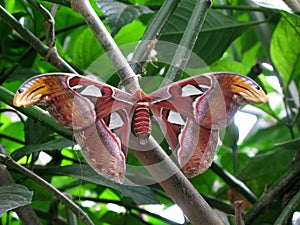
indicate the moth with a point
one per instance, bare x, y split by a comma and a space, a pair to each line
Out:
189, 112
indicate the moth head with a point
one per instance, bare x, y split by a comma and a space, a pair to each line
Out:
243, 88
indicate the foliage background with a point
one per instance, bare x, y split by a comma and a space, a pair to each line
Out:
236, 36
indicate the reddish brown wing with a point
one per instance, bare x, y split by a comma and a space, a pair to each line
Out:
203, 104
53, 92
98, 114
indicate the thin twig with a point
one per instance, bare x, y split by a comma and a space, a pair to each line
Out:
8, 161
234, 182
4, 136
238, 212
286, 213
127, 206
49, 22
25, 213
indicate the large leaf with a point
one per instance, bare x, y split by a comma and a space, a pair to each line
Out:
35, 133
140, 194
217, 34
118, 14
285, 48
47, 146
264, 139
268, 165
14, 196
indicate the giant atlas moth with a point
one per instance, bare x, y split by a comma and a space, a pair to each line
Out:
102, 117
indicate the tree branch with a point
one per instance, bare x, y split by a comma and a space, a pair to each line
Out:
47, 53
177, 186
286, 213
128, 77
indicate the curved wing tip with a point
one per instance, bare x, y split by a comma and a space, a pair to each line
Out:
17, 100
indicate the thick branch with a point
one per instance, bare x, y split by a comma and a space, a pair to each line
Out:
179, 188
177, 185
286, 214
110, 47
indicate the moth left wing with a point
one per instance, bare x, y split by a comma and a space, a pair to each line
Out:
90, 108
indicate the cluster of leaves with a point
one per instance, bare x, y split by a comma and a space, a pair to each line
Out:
235, 37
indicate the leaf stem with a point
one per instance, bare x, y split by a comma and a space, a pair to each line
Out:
242, 8
142, 51
187, 41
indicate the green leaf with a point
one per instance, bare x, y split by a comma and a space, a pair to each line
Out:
216, 36
119, 14
140, 194
285, 48
35, 133
14, 196
290, 145
10, 129
229, 65
47, 146
264, 139
262, 170
116, 218
86, 48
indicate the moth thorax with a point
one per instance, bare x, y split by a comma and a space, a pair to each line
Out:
141, 123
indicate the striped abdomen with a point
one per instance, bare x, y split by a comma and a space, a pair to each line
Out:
141, 123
